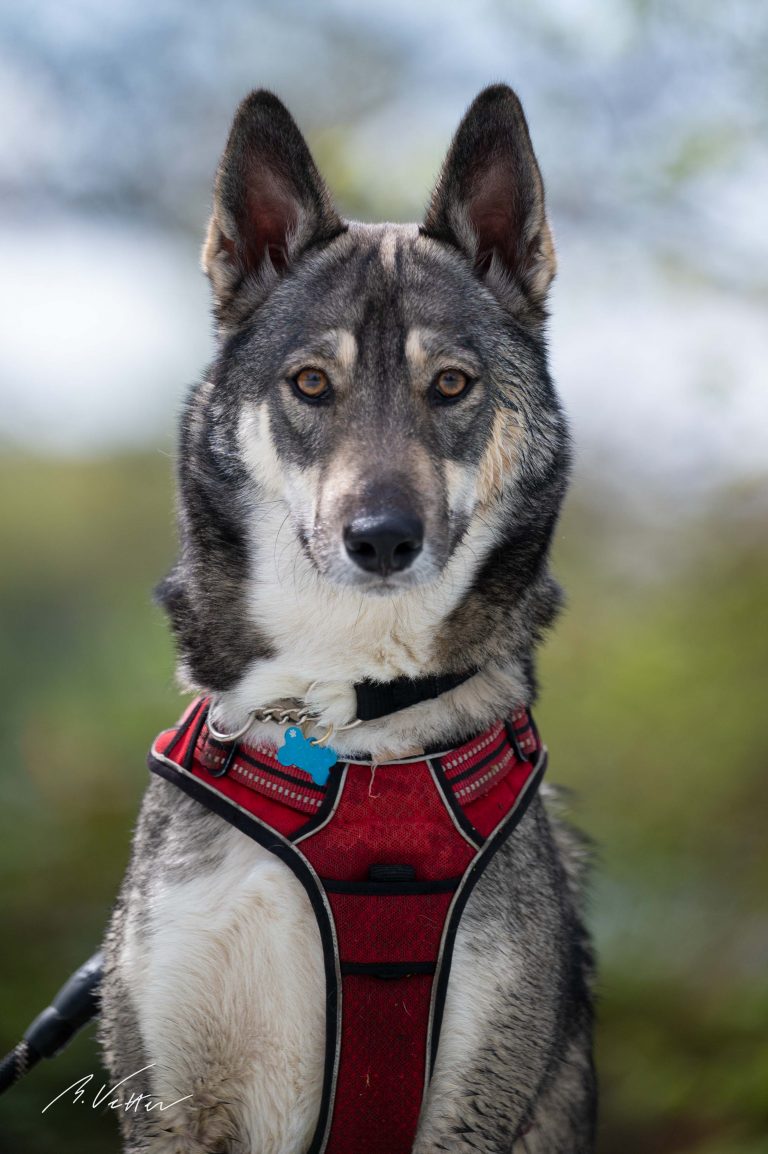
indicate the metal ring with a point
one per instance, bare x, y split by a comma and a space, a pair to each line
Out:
322, 740
226, 738
334, 729
352, 725
338, 728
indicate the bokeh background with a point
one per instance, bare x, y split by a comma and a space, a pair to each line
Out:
650, 122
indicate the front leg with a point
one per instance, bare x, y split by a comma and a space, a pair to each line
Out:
564, 1119
514, 1069
215, 977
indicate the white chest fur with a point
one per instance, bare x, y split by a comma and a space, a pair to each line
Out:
231, 994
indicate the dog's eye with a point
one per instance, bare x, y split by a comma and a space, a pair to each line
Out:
450, 384
311, 383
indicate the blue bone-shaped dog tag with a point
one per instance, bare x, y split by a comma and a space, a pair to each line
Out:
299, 752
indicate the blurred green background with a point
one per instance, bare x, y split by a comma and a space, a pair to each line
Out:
649, 120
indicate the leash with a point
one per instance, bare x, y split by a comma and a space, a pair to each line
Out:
75, 1004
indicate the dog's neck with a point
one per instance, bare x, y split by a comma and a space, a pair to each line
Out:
323, 641
442, 721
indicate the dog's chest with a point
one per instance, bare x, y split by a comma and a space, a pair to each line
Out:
258, 963
228, 978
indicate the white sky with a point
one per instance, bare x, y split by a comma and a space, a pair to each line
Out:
103, 329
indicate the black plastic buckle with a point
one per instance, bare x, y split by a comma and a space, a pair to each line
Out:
514, 741
226, 763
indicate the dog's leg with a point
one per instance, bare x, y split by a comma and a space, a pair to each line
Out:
120, 1036
513, 1065
215, 944
143, 1083
564, 1118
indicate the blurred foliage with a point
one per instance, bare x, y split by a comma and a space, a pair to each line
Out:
653, 708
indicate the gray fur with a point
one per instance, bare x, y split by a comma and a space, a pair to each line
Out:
537, 1048
286, 271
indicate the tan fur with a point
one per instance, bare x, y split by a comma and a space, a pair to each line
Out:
415, 352
501, 457
544, 264
388, 249
346, 350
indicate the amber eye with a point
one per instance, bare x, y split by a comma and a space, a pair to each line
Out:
450, 384
311, 383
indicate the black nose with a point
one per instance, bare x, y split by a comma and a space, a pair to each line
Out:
385, 542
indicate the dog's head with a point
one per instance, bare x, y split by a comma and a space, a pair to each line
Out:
384, 385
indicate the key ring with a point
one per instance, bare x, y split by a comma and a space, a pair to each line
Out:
226, 738
331, 728
334, 729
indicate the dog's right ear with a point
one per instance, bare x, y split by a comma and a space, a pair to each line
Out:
269, 205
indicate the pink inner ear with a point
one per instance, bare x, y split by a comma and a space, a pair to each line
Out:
270, 215
494, 212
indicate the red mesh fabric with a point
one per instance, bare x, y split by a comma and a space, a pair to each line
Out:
485, 767
389, 928
488, 810
381, 1070
168, 741
391, 814
275, 813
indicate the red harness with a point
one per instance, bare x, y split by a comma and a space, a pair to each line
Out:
388, 855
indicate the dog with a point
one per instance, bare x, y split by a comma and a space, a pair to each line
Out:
369, 478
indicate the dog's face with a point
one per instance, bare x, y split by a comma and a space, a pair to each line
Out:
379, 380
375, 409
381, 391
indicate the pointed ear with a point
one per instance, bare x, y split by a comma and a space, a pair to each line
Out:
489, 202
269, 204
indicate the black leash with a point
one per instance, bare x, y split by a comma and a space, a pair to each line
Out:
74, 1005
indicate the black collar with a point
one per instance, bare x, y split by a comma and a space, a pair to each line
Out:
377, 699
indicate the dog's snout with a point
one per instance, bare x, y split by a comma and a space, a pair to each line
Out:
384, 542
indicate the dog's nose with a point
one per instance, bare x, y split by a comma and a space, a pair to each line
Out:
385, 542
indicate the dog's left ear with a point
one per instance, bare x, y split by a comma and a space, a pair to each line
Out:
489, 202
270, 204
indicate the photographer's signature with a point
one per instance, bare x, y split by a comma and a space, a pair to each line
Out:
108, 1095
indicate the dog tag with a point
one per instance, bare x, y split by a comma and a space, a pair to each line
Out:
300, 753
